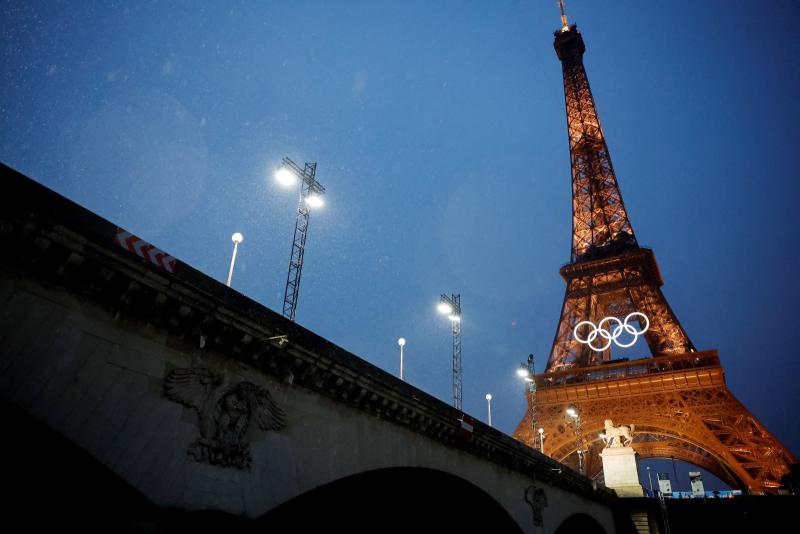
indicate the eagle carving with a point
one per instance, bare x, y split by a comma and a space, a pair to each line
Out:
226, 414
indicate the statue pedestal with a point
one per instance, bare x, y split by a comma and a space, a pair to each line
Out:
620, 471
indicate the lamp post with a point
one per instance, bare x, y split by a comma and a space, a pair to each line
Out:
650, 478
572, 412
541, 440
236, 238
402, 343
451, 306
526, 372
310, 197
489, 406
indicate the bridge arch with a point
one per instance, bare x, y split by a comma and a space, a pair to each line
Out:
580, 523
658, 441
403, 499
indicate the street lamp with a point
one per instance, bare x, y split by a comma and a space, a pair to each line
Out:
310, 197
236, 238
402, 343
489, 406
572, 412
451, 306
541, 440
526, 372
650, 478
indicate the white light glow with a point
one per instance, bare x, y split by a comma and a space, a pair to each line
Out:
285, 177
541, 430
571, 412
315, 201
401, 341
237, 237
488, 396
444, 308
523, 373
454, 318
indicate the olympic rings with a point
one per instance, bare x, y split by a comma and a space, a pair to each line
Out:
612, 334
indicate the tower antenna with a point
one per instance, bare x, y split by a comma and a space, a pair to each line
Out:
564, 24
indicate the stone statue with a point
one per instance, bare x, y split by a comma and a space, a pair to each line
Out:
225, 414
614, 435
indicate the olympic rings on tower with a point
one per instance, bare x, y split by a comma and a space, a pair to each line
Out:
614, 333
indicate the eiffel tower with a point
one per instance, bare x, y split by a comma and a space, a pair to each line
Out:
677, 399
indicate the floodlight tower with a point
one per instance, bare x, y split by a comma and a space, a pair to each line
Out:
451, 306
527, 372
580, 444
310, 197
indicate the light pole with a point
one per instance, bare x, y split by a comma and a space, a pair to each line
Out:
527, 371
489, 406
310, 197
451, 306
541, 440
236, 238
650, 478
572, 412
402, 343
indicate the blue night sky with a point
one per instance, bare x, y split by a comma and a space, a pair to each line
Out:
440, 135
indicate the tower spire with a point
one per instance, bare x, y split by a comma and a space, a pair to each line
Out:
564, 24
600, 224
608, 275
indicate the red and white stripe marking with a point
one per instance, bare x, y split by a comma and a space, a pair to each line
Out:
145, 250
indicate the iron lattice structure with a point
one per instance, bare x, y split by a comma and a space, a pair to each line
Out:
454, 301
530, 369
308, 185
677, 399
457, 396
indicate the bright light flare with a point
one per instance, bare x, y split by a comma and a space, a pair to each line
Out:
488, 396
315, 201
454, 318
444, 308
237, 238
285, 177
523, 373
401, 341
571, 412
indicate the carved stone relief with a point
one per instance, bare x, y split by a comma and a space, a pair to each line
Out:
226, 413
537, 499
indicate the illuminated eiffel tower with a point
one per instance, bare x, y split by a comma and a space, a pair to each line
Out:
677, 399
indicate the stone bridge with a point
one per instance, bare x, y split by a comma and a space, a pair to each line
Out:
138, 393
